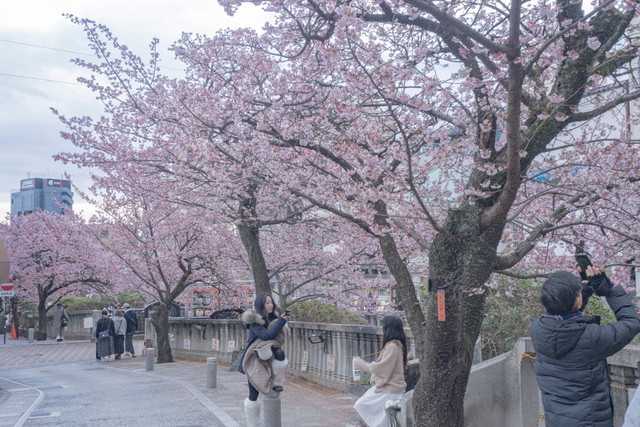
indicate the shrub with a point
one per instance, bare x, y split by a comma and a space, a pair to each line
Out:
508, 318
320, 312
83, 303
98, 303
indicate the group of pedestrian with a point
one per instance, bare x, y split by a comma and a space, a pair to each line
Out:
114, 334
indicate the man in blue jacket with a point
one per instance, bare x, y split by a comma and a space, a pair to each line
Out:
572, 349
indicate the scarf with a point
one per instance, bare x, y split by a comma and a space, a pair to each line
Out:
573, 314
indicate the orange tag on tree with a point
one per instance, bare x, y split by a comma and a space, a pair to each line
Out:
442, 316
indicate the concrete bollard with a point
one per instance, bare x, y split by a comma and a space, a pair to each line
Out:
32, 333
212, 372
272, 410
150, 359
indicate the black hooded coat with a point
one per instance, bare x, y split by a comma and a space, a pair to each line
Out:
571, 363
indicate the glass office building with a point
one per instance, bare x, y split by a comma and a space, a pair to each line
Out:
47, 194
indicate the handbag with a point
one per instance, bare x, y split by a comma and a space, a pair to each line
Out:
64, 322
104, 334
236, 356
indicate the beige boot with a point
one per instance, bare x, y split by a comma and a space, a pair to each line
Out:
252, 412
279, 367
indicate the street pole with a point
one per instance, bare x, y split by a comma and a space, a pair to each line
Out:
4, 318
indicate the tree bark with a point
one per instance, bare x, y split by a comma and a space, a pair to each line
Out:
160, 320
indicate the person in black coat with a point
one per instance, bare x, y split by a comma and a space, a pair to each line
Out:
572, 349
104, 344
132, 326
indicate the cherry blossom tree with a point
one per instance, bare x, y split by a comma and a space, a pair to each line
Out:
496, 136
53, 256
160, 249
158, 127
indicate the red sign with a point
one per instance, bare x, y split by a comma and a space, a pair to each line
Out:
7, 286
442, 314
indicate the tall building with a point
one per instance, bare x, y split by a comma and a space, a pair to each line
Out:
42, 193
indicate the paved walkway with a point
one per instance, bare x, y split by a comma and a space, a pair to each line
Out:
303, 403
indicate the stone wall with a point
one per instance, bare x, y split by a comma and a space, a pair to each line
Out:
82, 324
78, 328
502, 391
327, 363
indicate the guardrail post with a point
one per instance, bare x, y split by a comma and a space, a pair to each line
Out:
150, 359
31, 335
272, 410
212, 372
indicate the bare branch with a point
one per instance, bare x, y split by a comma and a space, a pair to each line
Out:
581, 117
515, 275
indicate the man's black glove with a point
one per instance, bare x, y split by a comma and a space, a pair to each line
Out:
600, 284
586, 291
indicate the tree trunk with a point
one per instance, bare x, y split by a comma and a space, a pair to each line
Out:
249, 229
250, 236
459, 263
42, 316
160, 320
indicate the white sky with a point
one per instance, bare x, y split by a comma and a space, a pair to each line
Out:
29, 132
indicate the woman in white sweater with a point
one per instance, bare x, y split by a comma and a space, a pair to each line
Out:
387, 374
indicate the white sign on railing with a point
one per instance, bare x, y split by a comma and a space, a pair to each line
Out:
355, 371
87, 322
331, 363
215, 344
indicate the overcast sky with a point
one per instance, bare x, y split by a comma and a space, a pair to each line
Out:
36, 46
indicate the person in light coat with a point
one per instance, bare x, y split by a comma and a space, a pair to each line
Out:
120, 330
59, 322
387, 374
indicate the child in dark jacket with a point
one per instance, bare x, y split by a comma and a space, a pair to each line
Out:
572, 349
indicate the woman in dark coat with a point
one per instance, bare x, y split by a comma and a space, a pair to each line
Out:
572, 349
104, 341
263, 324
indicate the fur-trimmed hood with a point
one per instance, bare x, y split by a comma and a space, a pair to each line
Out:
251, 316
